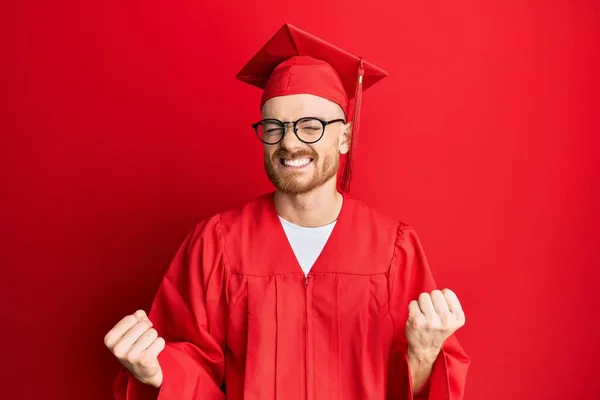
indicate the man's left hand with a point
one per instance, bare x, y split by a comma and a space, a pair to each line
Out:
432, 319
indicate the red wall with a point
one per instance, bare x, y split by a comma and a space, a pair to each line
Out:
122, 126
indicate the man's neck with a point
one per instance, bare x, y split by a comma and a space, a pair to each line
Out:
319, 207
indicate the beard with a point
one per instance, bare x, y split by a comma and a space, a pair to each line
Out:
290, 182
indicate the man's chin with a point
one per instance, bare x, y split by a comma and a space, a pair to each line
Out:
291, 185
296, 182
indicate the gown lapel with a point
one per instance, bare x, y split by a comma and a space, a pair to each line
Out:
283, 248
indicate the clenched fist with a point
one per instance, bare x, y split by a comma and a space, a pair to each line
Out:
432, 319
136, 345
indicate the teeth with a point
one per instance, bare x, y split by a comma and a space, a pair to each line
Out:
296, 163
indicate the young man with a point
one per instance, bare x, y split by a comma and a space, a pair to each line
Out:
304, 293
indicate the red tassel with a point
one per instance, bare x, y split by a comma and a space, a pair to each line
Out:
347, 174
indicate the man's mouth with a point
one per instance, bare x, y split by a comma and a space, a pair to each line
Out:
296, 163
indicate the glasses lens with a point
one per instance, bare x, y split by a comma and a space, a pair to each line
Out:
309, 129
270, 131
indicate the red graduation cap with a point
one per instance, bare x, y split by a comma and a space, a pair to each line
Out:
295, 62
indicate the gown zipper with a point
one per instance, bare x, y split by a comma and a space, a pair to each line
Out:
306, 279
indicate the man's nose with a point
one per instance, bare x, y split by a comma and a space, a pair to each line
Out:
290, 141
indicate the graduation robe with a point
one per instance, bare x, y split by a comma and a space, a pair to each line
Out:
240, 317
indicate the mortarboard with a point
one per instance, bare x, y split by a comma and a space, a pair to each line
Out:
295, 62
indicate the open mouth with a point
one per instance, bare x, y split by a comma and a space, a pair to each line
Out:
296, 163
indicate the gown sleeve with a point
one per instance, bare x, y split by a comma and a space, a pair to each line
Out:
188, 311
410, 275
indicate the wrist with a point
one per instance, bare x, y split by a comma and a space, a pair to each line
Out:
156, 380
422, 356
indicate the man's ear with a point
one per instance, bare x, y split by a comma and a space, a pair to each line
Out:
346, 138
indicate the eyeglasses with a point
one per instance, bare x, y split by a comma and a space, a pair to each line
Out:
308, 130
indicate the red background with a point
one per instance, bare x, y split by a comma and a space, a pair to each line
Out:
122, 126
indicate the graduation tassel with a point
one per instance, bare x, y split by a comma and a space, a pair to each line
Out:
347, 175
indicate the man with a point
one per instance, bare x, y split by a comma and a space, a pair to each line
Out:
304, 293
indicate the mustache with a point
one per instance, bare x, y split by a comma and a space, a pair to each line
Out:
304, 153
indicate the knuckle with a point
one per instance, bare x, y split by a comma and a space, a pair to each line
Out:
131, 358
146, 361
119, 352
410, 318
420, 323
427, 325
444, 319
414, 322
108, 339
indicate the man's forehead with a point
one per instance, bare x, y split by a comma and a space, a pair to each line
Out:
300, 105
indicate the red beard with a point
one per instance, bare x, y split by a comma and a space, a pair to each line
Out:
289, 181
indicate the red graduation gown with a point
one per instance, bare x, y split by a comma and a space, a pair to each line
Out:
237, 311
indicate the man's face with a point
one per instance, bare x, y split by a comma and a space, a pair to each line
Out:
313, 164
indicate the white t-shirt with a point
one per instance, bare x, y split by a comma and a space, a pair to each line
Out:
307, 243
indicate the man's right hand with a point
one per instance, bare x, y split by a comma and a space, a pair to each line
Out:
137, 345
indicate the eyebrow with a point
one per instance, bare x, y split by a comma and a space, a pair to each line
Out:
321, 117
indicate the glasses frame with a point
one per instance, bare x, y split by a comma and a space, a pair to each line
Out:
284, 125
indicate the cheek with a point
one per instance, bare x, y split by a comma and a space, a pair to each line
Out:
327, 146
269, 151
326, 154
